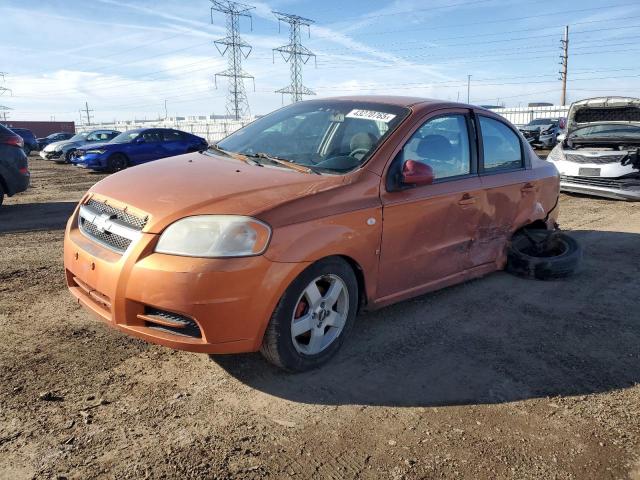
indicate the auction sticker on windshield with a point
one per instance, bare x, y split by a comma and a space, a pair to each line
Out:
371, 115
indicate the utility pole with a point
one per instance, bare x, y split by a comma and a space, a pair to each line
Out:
4, 110
166, 115
295, 54
468, 88
86, 112
564, 45
237, 49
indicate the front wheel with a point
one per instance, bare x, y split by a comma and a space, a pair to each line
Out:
116, 162
68, 156
313, 317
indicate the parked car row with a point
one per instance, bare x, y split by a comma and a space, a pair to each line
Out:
110, 150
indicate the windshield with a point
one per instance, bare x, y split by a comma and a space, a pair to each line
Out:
79, 137
327, 136
608, 131
543, 121
125, 137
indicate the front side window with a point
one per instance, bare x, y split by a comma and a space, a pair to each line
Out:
501, 146
328, 136
126, 137
443, 144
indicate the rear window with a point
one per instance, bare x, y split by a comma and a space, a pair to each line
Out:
501, 146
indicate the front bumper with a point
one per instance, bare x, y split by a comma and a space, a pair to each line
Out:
91, 161
610, 180
616, 188
55, 155
230, 300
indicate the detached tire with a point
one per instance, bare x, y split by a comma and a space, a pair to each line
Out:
313, 317
543, 255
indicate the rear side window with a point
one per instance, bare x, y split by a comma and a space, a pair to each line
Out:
151, 136
172, 136
501, 146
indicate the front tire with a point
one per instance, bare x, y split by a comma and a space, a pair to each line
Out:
68, 155
313, 317
116, 162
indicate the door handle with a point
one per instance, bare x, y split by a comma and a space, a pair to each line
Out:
467, 200
528, 188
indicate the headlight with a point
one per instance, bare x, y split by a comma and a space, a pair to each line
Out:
556, 154
96, 152
215, 236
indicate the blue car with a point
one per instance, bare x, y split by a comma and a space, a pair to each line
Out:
138, 146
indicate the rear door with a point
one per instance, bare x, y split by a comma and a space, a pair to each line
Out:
511, 188
428, 230
173, 143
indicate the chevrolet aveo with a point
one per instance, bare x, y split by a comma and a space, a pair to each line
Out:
277, 236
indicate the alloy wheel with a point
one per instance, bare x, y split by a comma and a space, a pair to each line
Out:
320, 314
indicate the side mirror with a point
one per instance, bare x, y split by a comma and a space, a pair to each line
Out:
139, 140
416, 173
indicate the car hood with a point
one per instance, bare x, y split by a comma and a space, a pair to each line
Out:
603, 110
101, 145
203, 183
52, 147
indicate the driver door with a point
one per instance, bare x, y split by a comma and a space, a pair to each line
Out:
428, 230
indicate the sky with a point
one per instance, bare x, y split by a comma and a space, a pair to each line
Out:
127, 57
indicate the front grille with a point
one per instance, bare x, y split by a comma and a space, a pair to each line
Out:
171, 322
111, 239
619, 183
53, 154
131, 220
112, 227
600, 159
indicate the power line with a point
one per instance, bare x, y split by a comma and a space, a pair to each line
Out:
295, 54
237, 49
370, 32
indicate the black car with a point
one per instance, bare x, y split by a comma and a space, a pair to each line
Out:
30, 142
14, 169
54, 137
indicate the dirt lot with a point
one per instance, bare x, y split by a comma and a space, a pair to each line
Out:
496, 378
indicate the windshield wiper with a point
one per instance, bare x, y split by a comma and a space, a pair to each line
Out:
281, 161
237, 156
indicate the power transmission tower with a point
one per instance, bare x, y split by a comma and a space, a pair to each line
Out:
236, 49
564, 45
295, 54
4, 110
85, 114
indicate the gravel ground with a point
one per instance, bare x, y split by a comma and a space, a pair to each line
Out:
496, 378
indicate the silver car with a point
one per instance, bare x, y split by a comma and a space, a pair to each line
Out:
600, 154
61, 152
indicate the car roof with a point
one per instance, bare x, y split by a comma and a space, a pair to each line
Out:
402, 101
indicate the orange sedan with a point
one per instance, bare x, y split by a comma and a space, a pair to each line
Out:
277, 236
